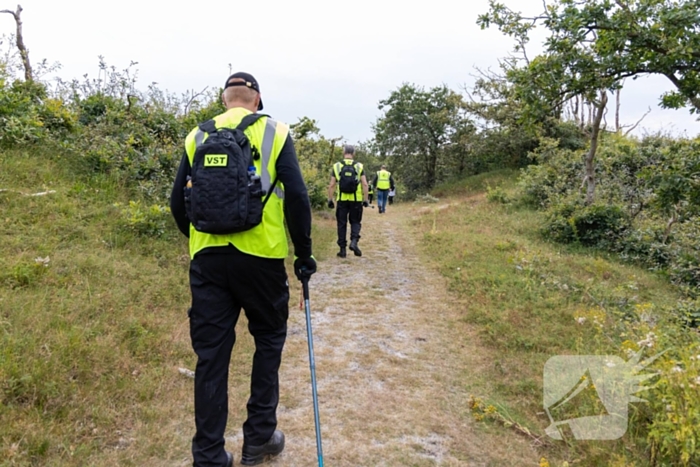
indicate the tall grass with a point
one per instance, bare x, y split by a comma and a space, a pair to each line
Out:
531, 300
93, 321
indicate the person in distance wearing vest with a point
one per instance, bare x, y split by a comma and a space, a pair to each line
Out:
244, 269
351, 196
383, 182
370, 194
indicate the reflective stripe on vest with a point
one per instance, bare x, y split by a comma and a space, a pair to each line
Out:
267, 239
266, 150
383, 180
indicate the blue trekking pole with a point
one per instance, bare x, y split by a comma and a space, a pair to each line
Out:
312, 364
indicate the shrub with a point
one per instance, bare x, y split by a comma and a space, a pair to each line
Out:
597, 225
645, 246
496, 195
150, 221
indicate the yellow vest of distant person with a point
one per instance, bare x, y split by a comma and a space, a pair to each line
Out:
267, 239
357, 196
383, 180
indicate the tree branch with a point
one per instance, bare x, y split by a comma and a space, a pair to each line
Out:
638, 122
23, 52
191, 99
676, 82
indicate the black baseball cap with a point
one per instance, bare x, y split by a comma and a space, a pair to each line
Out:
248, 80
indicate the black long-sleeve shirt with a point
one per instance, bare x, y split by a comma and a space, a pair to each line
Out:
297, 208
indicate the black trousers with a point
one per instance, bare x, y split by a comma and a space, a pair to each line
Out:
352, 211
222, 281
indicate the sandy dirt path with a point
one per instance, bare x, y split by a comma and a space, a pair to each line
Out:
392, 363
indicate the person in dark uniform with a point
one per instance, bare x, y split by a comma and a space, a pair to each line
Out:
244, 270
349, 205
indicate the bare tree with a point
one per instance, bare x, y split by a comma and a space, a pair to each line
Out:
191, 97
23, 52
589, 180
618, 128
632, 127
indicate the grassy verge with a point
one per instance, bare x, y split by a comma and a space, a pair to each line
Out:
93, 324
531, 300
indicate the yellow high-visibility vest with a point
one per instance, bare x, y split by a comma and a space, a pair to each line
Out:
383, 180
357, 196
267, 239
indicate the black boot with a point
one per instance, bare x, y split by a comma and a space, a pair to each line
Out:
342, 252
254, 455
355, 248
229, 459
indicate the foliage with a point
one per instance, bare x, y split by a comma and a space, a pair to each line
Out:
553, 175
317, 154
531, 299
650, 186
593, 44
600, 225
150, 221
497, 195
423, 135
510, 125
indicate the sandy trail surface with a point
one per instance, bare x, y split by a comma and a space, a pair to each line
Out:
392, 362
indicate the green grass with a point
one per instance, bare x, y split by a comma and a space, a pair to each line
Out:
91, 342
476, 184
92, 338
523, 295
87, 336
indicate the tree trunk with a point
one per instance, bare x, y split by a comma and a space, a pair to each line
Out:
618, 128
23, 52
574, 109
589, 177
431, 168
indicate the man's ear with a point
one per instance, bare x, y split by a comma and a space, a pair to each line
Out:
223, 98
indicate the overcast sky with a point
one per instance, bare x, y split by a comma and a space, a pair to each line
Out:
327, 60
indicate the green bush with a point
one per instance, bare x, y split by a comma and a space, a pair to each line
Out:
674, 408
20, 120
555, 173
598, 225
151, 221
647, 200
645, 246
496, 195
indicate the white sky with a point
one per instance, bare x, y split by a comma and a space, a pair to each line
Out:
327, 60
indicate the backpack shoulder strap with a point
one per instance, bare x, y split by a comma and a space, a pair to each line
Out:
249, 120
208, 127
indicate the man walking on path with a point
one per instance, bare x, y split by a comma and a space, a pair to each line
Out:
243, 269
351, 197
383, 182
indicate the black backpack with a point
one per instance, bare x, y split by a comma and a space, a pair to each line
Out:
348, 179
222, 196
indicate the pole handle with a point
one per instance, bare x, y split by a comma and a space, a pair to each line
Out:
305, 285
